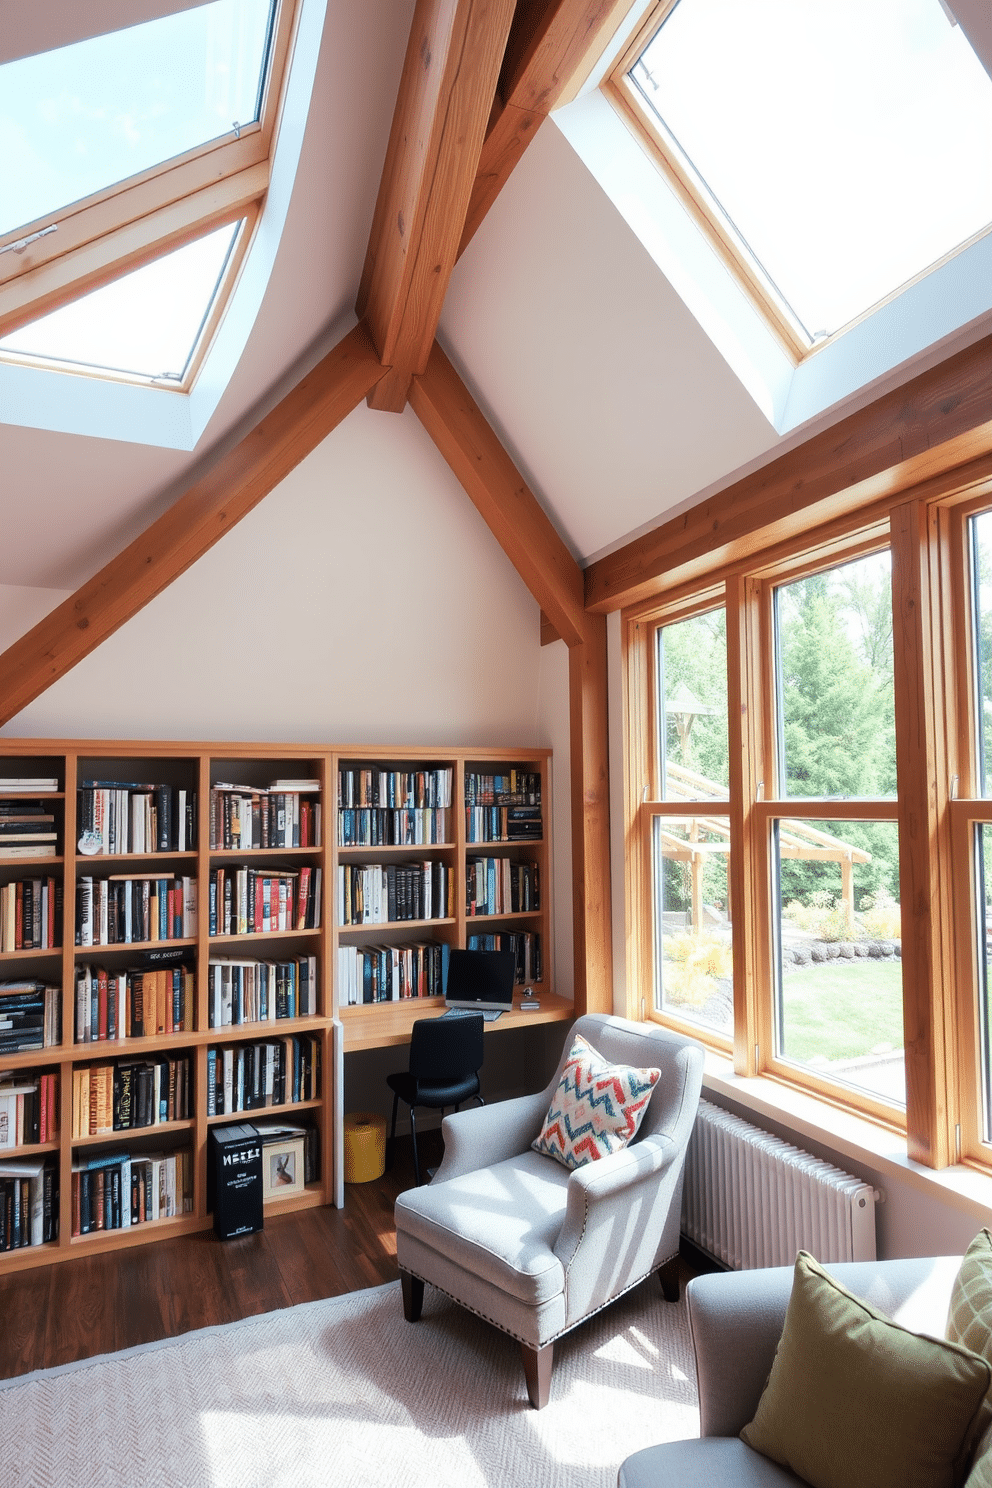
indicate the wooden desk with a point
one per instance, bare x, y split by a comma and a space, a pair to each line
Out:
377, 1025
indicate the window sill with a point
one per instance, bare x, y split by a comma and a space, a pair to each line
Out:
847, 1139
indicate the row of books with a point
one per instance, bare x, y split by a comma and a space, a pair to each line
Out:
130, 1093
275, 1072
503, 824
383, 826
121, 910
116, 1190
499, 886
515, 788
27, 830
30, 1016
409, 789
390, 973
29, 1203
256, 901
526, 948
31, 914
29, 1108
138, 1002
378, 893
261, 991
246, 816
121, 816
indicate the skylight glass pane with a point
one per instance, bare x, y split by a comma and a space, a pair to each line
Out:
146, 323
848, 143
85, 117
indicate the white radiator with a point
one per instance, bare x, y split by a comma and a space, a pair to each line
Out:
750, 1199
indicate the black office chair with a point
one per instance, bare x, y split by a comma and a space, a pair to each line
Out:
445, 1059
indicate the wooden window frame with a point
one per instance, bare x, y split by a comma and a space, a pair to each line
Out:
106, 235
926, 532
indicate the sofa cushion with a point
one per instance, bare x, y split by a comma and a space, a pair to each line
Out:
856, 1401
969, 1322
500, 1223
596, 1109
712, 1462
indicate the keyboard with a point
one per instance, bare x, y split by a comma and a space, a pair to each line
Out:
490, 1017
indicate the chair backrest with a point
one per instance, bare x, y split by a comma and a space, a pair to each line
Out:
446, 1048
672, 1108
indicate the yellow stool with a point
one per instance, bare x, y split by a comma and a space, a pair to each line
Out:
364, 1147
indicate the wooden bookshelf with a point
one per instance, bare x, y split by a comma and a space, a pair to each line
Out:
196, 768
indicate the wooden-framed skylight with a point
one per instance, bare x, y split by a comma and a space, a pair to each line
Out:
118, 176
834, 153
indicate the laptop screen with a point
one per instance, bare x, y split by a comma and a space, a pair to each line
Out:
480, 979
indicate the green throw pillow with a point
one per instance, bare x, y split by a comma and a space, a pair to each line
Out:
969, 1322
856, 1401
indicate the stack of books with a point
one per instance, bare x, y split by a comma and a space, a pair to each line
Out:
118, 816
30, 1016
27, 829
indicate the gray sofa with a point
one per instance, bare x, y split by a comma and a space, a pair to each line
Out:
736, 1319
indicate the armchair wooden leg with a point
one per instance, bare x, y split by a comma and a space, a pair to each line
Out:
537, 1372
413, 1296
668, 1275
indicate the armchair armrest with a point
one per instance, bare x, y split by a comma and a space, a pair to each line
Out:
621, 1219
483, 1135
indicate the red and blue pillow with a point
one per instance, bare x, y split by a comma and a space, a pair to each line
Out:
596, 1109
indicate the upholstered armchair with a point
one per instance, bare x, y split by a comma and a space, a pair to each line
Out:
532, 1247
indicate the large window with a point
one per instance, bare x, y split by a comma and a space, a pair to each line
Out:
832, 149
131, 149
810, 817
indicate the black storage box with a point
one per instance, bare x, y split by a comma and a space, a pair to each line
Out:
234, 1180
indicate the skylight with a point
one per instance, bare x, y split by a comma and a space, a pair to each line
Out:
840, 149
85, 117
147, 323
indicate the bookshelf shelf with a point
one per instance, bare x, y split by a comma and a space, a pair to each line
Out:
183, 789
522, 914
133, 1133
259, 937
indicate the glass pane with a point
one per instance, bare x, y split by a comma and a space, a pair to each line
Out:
839, 942
848, 146
981, 534
694, 975
983, 855
146, 323
692, 691
834, 666
84, 117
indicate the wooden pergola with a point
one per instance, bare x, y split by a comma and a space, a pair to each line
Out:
795, 840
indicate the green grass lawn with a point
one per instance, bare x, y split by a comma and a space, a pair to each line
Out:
842, 1009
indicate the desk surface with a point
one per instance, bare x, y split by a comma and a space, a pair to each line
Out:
379, 1024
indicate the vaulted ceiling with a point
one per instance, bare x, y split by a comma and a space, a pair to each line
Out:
605, 390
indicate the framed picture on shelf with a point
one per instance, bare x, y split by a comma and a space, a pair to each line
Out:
282, 1169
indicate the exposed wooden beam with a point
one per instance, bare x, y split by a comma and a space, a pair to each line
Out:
548, 633
592, 914
446, 95
939, 420
208, 510
551, 49
522, 528
527, 536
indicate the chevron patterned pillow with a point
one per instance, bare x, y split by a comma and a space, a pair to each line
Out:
596, 1109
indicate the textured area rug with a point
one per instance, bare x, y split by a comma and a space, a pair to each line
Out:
344, 1392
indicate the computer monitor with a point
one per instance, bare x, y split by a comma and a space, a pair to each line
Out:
480, 980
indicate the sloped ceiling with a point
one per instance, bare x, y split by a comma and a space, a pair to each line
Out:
603, 387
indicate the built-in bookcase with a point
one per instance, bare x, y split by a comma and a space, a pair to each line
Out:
190, 926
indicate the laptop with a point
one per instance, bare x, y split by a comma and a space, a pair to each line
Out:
480, 982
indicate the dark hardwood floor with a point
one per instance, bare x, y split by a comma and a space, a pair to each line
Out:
55, 1314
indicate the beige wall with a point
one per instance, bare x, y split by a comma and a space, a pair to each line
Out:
364, 600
